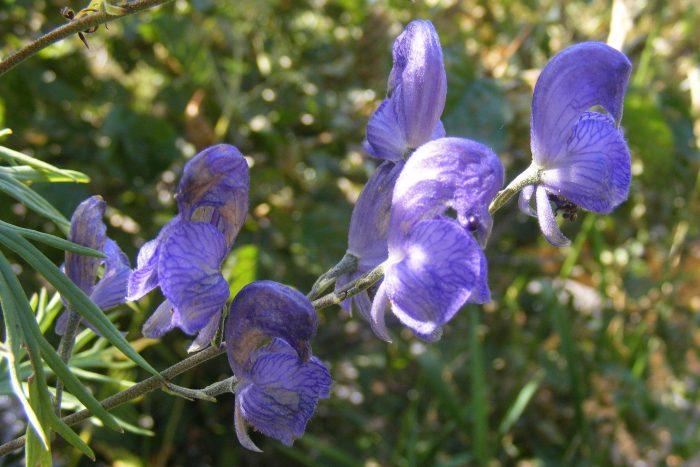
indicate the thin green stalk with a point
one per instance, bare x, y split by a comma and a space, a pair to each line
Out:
65, 350
479, 389
530, 176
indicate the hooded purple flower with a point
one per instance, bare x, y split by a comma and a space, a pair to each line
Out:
87, 229
406, 119
185, 259
280, 382
435, 264
581, 157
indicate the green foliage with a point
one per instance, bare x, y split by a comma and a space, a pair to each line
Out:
586, 356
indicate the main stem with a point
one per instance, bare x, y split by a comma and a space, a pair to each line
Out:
73, 27
137, 390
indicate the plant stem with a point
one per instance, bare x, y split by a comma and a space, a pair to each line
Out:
353, 288
73, 27
347, 264
137, 390
65, 350
531, 176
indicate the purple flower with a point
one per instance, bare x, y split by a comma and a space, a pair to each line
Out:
435, 264
279, 382
87, 229
185, 259
406, 119
581, 157
410, 114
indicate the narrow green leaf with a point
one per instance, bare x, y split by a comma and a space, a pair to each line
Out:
37, 344
15, 157
33, 201
36, 453
131, 428
51, 240
46, 410
478, 385
15, 335
25, 173
520, 403
81, 302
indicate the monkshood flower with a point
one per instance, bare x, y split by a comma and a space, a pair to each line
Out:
439, 223
87, 229
580, 158
185, 259
267, 334
406, 119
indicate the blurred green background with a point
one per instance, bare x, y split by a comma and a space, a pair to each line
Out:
588, 355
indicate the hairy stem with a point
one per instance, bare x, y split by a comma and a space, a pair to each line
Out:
345, 265
353, 288
531, 176
83, 23
65, 350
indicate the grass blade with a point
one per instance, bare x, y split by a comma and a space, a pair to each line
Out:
81, 302
520, 403
15, 157
51, 240
22, 315
478, 386
24, 173
33, 201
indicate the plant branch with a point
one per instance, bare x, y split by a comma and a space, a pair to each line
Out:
137, 390
531, 176
353, 288
75, 26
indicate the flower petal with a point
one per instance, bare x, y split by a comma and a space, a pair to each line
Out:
160, 322
206, 335
110, 291
576, 79
524, 201
145, 277
370, 217
267, 309
438, 268
241, 430
380, 305
596, 172
547, 220
418, 81
87, 229
189, 267
217, 177
386, 139
446, 173
281, 395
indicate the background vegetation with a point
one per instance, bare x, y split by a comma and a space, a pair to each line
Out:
587, 355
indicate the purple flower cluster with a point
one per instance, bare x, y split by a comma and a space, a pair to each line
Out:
185, 259
268, 335
87, 229
423, 215
581, 157
403, 217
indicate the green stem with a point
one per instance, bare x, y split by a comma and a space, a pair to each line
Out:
531, 176
345, 265
73, 27
353, 288
65, 350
